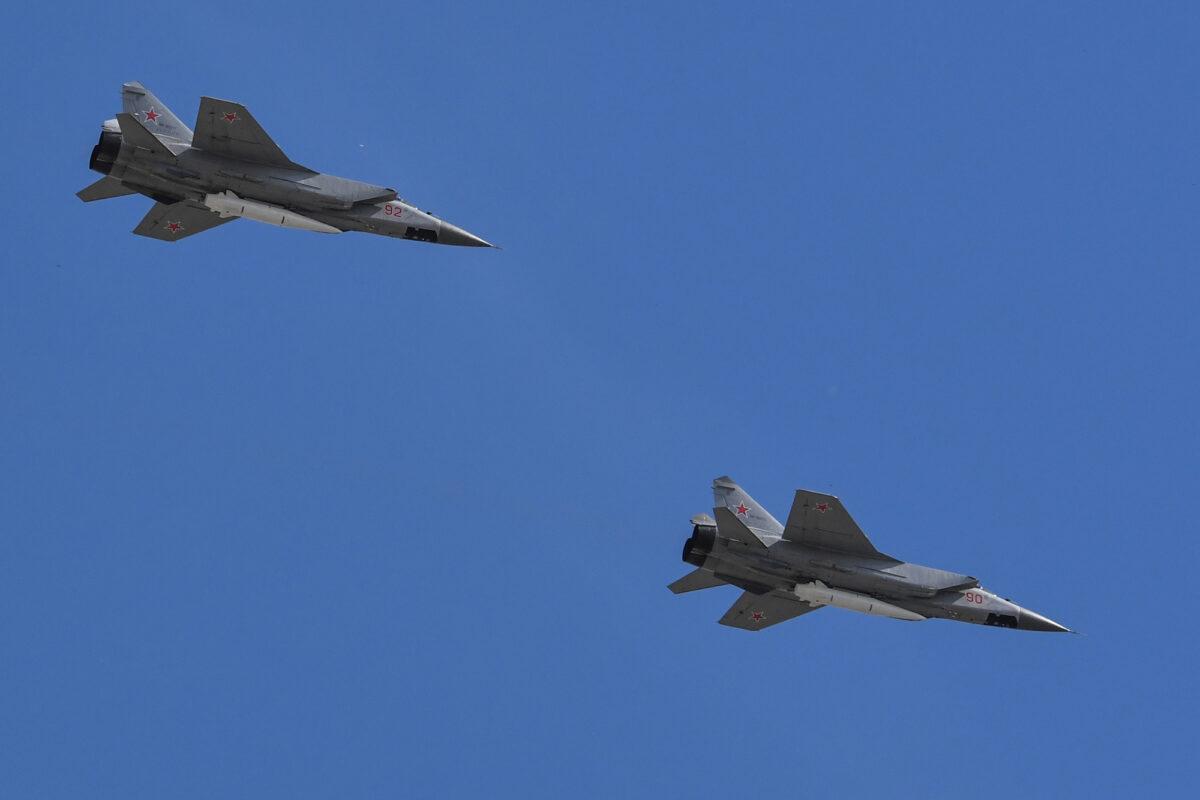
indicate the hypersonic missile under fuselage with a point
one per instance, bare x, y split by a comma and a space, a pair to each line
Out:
230, 168
822, 558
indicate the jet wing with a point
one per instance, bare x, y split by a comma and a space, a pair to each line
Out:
178, 221
820, 520
753, 612
227, 129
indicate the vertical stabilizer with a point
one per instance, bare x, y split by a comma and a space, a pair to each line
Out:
140, 103
742, 507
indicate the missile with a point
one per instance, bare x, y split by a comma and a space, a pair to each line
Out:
228, 204
817, 593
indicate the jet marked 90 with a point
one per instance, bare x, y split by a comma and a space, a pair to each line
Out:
229, 168
822, 558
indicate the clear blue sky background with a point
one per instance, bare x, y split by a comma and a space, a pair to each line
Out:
286, 515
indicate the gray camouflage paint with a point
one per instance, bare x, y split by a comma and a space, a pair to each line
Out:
821, 550
148, 150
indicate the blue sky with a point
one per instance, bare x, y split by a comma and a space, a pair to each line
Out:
287, 515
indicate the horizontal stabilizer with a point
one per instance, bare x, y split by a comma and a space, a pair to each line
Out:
695, 580
134, 134
753, 612
104, 189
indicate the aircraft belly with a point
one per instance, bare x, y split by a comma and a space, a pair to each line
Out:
148, 182
739, 575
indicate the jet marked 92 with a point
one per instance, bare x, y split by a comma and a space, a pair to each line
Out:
822, 558
230, 168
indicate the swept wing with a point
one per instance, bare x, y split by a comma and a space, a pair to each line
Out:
178, 221
227, 128
820, 520
753, 612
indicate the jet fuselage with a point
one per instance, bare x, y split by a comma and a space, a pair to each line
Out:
899, 589
229, 168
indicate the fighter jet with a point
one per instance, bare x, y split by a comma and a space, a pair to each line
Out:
230, 168
821, 558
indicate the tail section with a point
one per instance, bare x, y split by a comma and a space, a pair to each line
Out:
696, 580
104, 189
733, 505
141, 104
136, 135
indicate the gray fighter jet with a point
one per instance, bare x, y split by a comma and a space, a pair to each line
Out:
822, 558
230, 168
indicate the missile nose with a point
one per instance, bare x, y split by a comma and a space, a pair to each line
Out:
1029, 621
452, 234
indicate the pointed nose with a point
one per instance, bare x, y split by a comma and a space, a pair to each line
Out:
452, 234
1030, 621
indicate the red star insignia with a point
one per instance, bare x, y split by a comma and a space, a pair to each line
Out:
174, 227
230, 116
151, 115
757, 616
742, 510
822, 507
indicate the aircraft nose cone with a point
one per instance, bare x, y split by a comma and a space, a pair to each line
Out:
452, 234
1030, 621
